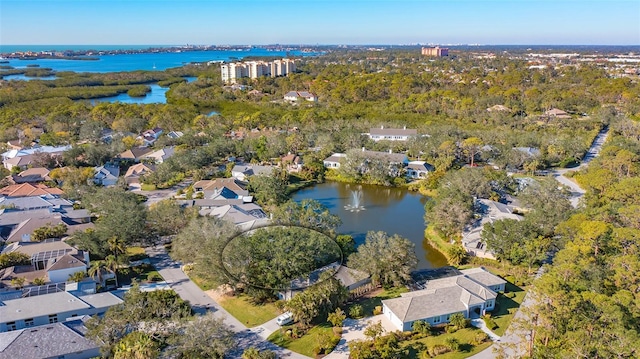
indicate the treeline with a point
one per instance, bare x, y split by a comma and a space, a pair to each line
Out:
588, 301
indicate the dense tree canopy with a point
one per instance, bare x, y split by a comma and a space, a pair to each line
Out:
388, 259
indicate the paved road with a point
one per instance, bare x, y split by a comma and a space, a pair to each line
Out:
511, 341
201, 302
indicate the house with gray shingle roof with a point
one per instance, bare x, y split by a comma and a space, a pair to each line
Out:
472, 293
57, 340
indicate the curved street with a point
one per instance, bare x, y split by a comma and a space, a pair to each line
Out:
511, 342
201, 303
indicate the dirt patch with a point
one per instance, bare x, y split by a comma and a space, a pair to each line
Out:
220, 293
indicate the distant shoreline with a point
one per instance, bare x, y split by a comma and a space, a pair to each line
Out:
92, 53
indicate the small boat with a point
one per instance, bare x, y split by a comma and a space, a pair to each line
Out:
154, 65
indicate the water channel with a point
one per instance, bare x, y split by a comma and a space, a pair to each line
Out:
392, 210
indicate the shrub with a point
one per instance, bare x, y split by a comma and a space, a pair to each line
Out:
479, 338
280, 304
356, 311
154, 277
491, 324
438, 349
377, 310
451, 329
420, 326
458, 320
452, 343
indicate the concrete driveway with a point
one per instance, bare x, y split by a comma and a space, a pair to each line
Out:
353, 329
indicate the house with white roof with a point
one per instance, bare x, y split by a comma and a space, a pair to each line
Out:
52, 308
472, 293
294, 96
334, 160
391, 134
418, 169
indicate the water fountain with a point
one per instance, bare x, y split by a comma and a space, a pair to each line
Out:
356, 200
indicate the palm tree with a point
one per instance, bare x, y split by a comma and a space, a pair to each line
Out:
111, 264
77, 276
39, 281
96, 269
117, 246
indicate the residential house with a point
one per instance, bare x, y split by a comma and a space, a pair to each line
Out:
39, 310
53, 260
245, 216
242, 172
32, 175
57, 340
294, 96
418, 169
18, 225
106, 175
334, 160
135, 154
529, 151
472, 293
160, 155
149, 137
351, 278
27, 189
51, 203
13, 158
174, 135
15, 144
137, 171
557, 113
292, 162
490, 211
391, 134
231, 183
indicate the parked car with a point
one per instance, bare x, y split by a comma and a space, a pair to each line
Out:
284, 319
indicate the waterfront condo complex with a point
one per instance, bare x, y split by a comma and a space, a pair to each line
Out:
254, 69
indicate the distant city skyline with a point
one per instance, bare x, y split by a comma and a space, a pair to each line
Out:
258, 22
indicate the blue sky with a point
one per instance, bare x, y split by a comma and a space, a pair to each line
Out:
178, 22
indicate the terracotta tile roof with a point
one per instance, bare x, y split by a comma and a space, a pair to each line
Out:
27, 189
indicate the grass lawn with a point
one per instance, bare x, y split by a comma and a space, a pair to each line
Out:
147, 187
138, 274
201, 282
501, 315
248, 313
439, 243
368, 304
136, 253
464, 336
303, 345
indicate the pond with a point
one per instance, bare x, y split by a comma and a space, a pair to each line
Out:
157, 95
392, 210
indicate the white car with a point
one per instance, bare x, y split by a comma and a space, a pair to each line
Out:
284, 319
